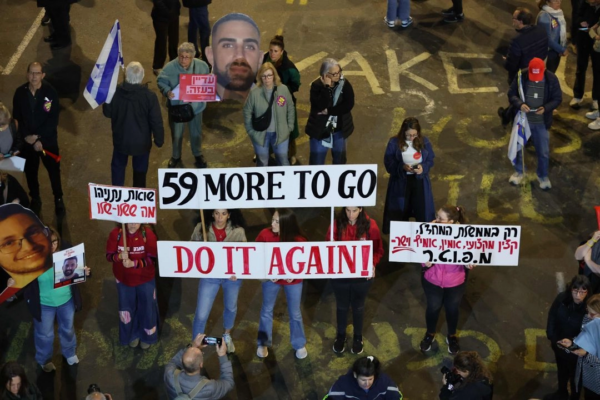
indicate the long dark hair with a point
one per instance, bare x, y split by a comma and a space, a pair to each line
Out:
11, 370
235, 217
471, 362
288, 225
455, 213
410, 123
367, 367
363, 223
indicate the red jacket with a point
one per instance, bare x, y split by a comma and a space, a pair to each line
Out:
267, 235
373, 234
142, 250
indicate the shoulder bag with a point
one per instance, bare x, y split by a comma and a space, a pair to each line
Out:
262, 122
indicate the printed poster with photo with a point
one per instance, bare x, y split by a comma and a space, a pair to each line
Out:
69, 266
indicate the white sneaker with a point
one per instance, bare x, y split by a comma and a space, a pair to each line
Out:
594, 104
575, 103
592, 114
544, 183
407, 23
594, 125
73, 360
515, 179
301, 353
262, 351
390, 24
229, 343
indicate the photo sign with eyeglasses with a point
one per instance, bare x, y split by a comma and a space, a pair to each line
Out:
260, 260
290, 186
122, 204
197, 87
416, 242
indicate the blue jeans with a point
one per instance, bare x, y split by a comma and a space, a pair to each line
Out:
207, 291
541, 142
398, 9
199, 22
43, 332
280, 150
119, 163
177, 129
138, 313
318, 152
293, 294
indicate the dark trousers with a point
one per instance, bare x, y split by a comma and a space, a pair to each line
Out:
585, 51
350, 293
589, 395
566, 363
165, 29
437, 297
457, 6
414, 199
32, 166
552, 61
199, 23
60, 22
575, 4
119, 163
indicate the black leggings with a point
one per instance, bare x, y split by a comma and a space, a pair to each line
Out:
437, 297
414, 199
350, 293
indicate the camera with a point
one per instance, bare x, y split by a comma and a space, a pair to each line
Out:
451, 377
93, 388
212, 340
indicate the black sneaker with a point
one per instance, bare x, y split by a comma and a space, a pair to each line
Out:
357, 346
200, 163
174, 162
448, 11
453, 347
427, 342
59, 206
454, 18
46, 20
339, 346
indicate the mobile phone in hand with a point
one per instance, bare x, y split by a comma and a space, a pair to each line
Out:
211, 341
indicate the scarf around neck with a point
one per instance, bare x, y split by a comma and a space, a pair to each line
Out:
559, 15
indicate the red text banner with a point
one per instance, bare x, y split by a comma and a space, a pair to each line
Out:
296, 260
197, 87
418, 242
122, 204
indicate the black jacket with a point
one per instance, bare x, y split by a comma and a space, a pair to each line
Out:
589, 14
196, 3
552, 94
564, 318
43, 119
531, 42
480, 390
135, 116
321, 98
15, 191
164, 10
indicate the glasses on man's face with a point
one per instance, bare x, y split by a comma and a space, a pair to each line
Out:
579, 292
185, 57
334, 74
266, 76
33, 235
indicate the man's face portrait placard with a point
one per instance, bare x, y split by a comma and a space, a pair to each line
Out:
69, 266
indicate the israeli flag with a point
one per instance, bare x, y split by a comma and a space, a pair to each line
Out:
520, 134
103, 80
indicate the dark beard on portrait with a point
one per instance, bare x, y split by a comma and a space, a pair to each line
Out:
235, 82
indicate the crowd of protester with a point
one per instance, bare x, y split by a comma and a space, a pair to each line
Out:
31, 131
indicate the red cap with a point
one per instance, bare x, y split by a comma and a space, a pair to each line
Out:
536, 69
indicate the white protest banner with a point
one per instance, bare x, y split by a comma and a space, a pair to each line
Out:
269, 187
418, 242
12, 164
122, 204
69, 266
259, 260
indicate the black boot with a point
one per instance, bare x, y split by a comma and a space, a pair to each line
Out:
200, 163
139, 179
174, 162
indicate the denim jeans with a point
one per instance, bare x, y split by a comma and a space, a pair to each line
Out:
318, 152
43, 332
437, 297
199, 22
398, 9
138, 313
541, 142
177, 129
280, 150
207, 291
293, 294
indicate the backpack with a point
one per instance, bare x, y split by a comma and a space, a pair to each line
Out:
193, 392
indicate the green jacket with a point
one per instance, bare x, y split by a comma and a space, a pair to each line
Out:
285, 113
168, 79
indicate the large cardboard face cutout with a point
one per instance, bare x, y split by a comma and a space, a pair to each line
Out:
25, 248
235, 55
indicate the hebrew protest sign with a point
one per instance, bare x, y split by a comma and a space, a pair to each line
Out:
259, 260
418, 242
122, 204
290, 186
197, 87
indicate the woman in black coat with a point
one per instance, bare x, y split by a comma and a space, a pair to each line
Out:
471, 380
330, 120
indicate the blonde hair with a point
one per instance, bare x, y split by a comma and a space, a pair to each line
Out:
593, 303
264, 68
4, 114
